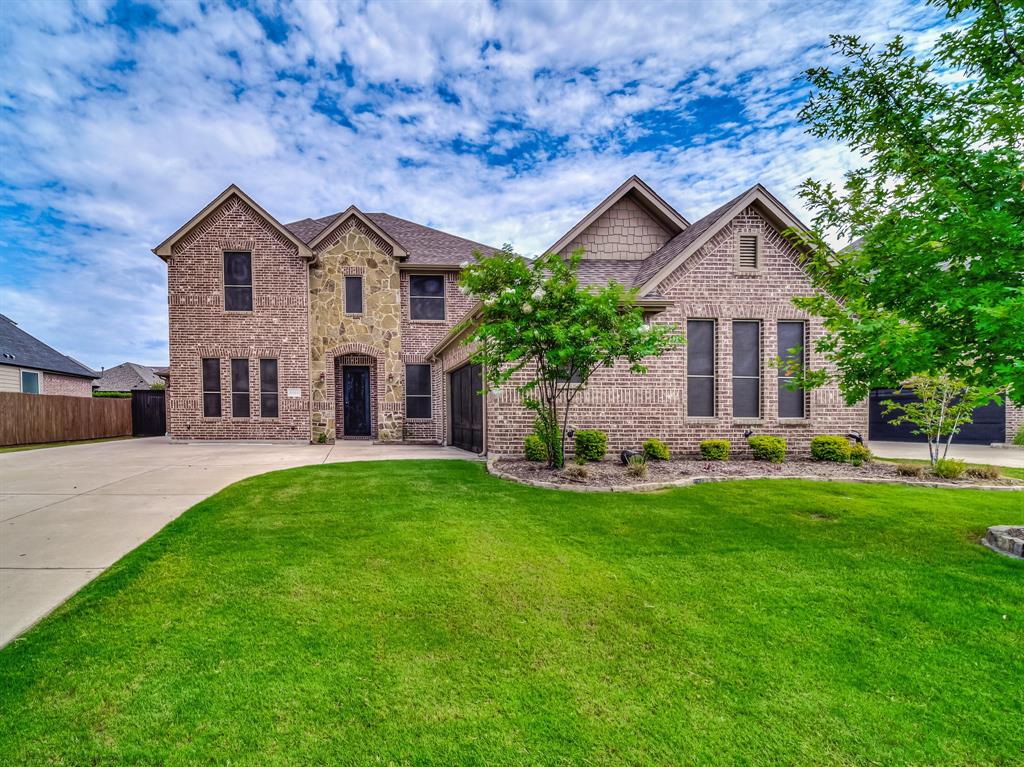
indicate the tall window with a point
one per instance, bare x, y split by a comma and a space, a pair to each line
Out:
239, 388
354, 295
238, 281
268, 388
29, 382
426, 297
417, 391
211, 387
700, 368
791, 349
746, 369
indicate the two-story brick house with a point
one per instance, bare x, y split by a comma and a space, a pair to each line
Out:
343, 327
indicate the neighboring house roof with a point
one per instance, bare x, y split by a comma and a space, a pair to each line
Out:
128, 376
635, 187
165, 248
421, 244
19, 349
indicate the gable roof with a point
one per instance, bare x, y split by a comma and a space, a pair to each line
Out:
648, 199
19, 349
126, 377
664, 261
353, 212
164, 249
421, 244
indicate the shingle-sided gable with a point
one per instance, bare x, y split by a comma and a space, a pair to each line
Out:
624, 232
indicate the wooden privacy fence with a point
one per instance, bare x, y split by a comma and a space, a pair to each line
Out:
28, 418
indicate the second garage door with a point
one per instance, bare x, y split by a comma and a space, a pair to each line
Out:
989, 422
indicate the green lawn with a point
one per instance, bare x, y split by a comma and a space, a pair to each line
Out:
426, 613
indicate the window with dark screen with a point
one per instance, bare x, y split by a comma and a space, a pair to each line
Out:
238, 281
791, 349
700, 368
353, 295
211, 387
426, 297
746, 369
417, 391
268, 389
239, 388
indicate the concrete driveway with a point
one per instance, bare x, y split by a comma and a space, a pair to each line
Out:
993, 456
68, 513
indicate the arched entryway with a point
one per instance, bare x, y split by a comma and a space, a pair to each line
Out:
356, 393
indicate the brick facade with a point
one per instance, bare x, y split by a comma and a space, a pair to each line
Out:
74, 386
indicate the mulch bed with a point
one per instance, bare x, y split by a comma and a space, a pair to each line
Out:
612, 472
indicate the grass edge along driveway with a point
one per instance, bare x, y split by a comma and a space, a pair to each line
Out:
427, 613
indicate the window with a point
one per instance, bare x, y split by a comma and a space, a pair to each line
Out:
354, 295
746, 369
29, 382
426, 297
417, 391
239, 388
268, 388
211, 388
748, 255
700, 368
791, 349
237, 281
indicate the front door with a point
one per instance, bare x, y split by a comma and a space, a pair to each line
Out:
357, 401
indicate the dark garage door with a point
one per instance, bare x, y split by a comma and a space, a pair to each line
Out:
467, 408
989, 422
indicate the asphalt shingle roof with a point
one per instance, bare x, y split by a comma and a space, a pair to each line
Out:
19, 349
126, 377
424, 244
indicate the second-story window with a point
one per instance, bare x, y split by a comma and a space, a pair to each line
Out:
426, 297
353, 295
237, 281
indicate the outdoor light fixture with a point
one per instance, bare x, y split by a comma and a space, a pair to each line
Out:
855, 436
748, 433
626, 455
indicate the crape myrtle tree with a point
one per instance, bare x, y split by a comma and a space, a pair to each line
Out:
539, 330
936, 284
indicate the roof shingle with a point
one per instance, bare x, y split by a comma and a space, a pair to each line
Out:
19, 349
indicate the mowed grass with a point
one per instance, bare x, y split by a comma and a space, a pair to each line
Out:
425, 613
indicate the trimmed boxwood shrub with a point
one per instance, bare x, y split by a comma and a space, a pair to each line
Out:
766, 448
591, 444
715, 449
534, 449
830, 447
655, 450
860, 454
950, 468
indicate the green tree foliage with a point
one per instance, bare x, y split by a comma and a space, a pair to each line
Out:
542, 332
944, 406
936, 284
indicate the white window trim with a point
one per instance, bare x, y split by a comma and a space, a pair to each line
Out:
39, 379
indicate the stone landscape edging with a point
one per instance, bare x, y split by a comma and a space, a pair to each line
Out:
647, 487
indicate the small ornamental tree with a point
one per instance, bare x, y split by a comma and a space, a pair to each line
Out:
945, 406
541, 331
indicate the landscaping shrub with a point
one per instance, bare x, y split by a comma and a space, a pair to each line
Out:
637, 467
112, 394
322, 439
983, 472
576, 471
534, 448
767, 448
655, 450
949, 468
859, 454
715, 449
910, 470
1018, 438
591, 444
830, 447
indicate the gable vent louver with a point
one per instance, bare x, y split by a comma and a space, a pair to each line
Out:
748, 251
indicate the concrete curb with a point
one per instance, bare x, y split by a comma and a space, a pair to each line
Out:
648, 487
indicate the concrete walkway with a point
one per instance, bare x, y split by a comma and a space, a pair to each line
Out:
68, 513
993, 456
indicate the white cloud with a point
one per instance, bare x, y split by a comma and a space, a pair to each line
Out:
113, 137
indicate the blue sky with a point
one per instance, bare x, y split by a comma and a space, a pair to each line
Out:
499, 121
